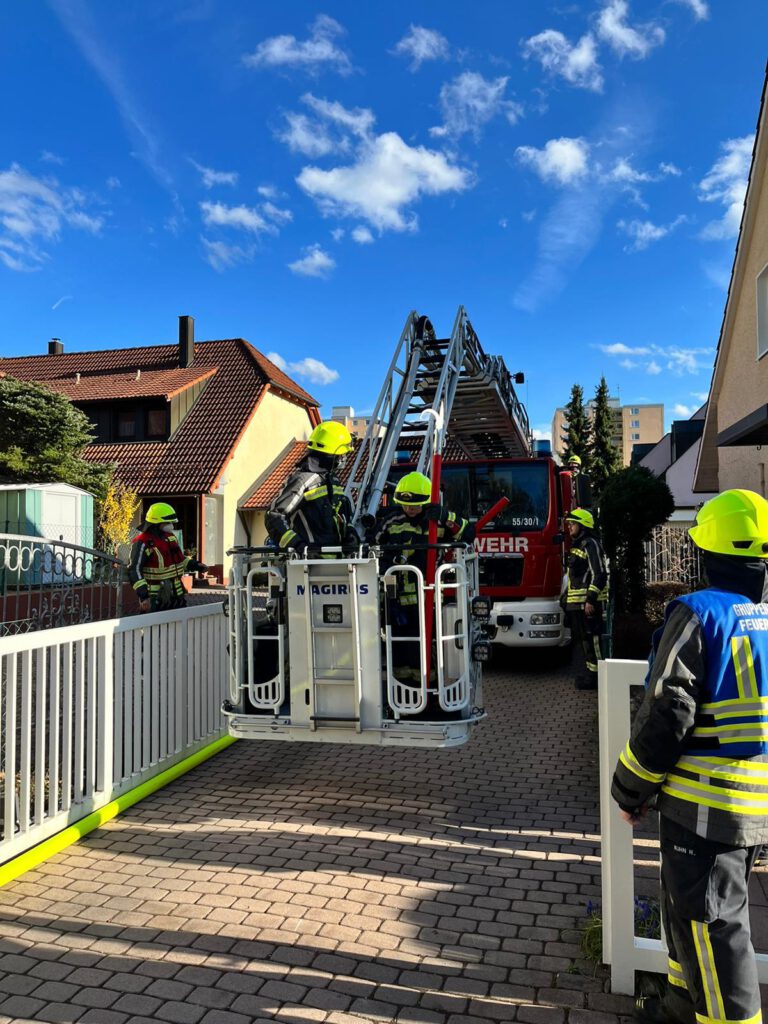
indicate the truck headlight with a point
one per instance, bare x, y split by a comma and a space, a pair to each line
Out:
545, 620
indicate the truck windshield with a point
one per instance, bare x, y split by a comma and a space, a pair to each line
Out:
476, 487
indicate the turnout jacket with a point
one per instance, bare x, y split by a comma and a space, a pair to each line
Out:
394, 527
700, 738
311, 509
587, 572
157, 565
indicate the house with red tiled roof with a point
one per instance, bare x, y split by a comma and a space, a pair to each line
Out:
194, 423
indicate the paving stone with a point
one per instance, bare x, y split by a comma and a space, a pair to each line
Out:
541, 1014
590, 1017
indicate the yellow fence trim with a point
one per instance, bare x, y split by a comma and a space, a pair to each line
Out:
72, 833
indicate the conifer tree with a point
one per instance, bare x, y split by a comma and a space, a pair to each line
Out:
605, 457
578, 431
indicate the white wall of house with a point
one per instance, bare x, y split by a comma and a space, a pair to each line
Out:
276, 423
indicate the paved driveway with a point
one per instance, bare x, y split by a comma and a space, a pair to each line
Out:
302, 882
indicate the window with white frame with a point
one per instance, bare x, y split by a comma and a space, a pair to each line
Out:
634, 410
635, 437
635, 423
762, 312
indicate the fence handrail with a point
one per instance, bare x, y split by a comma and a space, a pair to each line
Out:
102, 628
30, 538
622, 949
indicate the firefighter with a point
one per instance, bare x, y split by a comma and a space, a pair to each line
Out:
312, 509
699, 746
587, 592
582, 488
407, 528
158, 563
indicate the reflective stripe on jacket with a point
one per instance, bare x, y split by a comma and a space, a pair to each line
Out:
700, 738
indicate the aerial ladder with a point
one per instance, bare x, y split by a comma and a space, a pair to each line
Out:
313, 648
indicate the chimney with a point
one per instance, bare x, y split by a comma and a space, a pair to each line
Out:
186, 340
55, 347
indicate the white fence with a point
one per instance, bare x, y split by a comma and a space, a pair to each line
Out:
93, 710
622, 949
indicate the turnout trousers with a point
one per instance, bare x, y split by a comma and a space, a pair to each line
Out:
712, 972
586, 635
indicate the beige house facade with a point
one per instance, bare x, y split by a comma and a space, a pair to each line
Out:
734, 448
632, 424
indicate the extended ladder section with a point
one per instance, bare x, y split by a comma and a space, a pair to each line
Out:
435, 387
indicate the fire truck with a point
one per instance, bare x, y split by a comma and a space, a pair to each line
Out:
313, 649
521, 549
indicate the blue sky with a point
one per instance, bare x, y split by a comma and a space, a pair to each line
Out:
303, 176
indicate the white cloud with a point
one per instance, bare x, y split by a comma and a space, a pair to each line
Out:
670, 169
575, 63
358, 121
726, 183
683, 412
422, 44
386, 177
644, 232
623, 172
628, 364
567, 234
471, 101
618, 348
303, 135
312, 369
268, 191
503, 223
51, 158
542, 433
113, 182
222, 256
244, 217
314, 263
614, 29
276, 213
77, 20
563, 161
33, 212
676, 359
337, 234
211, 178
700, 8
318, 52
528, 216
332, 129
362, 235
701, 396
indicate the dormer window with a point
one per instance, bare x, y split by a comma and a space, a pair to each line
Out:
125, 425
